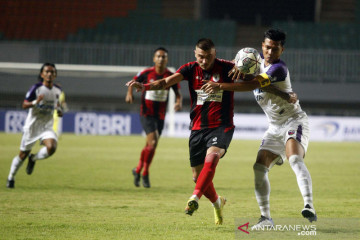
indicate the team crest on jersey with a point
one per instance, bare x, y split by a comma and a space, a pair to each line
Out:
291, 132
216, 77
151, 80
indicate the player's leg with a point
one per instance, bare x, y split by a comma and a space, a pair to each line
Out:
264, 160
152, 140
295, 153
49, 148
25, 147
16, 163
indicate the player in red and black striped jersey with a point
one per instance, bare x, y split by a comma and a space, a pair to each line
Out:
152, 111
211, 117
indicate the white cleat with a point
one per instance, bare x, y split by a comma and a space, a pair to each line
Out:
264, 222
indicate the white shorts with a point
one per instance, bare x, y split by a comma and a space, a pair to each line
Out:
28, 141
276, 136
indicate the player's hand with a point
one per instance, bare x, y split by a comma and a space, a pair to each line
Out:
210, 87
177, 107
129, 98
236, 74
139, 86
40, 98
293, 97
59, 113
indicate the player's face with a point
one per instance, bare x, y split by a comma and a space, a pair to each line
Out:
48, 74
205, 59
272, 50
160, 58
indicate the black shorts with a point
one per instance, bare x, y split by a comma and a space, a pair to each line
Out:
151, 124
201, 140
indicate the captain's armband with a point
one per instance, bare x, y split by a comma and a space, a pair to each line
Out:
264, 80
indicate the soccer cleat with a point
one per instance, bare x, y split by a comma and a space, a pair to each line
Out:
218, 212
31, 164
136, 178
146, 181
263, 222
191, 206
10, 183
309, 213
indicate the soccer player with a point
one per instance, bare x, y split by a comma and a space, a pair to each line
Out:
211, 117
288, 132
152, 111
42, 100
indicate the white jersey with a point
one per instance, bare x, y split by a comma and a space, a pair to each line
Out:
40, 117
277, 109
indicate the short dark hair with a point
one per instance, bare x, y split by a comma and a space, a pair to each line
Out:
161, 48
205, 44
276, 35
42, 68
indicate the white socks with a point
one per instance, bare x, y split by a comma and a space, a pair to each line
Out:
217, 203
42, 154
262, 188
15, 165
303, 178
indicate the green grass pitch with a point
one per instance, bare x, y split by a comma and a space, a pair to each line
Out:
86, 191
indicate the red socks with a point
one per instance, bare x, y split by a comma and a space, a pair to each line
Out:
204, 184
146, 157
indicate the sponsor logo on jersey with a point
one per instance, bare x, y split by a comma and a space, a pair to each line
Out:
291, 132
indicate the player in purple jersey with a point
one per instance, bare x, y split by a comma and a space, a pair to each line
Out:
42, 100
153, 110
211, 117
288, 132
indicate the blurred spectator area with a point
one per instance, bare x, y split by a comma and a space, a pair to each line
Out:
316, 24
322, 49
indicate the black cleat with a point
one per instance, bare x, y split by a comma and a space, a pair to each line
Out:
31, 164
10, 183
309, 213
146, 181
136, 178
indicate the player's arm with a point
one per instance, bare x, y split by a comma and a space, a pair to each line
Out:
259, 81
158, 84
27, 104
178, 101
290, 97
129, 98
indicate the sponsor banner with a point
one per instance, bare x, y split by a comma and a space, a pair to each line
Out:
82, 123
248, 126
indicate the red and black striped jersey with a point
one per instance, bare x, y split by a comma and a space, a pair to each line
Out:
153, 103
209, 110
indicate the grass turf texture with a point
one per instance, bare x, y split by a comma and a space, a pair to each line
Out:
86, 191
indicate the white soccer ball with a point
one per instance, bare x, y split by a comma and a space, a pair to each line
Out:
248, 60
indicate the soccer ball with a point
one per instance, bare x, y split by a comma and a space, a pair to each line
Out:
248, 60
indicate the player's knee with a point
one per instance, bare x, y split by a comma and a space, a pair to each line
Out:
194, 179
293, 159
51, 149
212, 157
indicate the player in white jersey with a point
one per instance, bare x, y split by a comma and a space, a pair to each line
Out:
288, 132
42, 100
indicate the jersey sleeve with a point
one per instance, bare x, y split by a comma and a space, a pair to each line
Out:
277, 73
186, 71
31, 94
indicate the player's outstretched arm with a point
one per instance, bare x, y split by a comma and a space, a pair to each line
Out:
259, 81
158, 84
291, 97
129, 98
